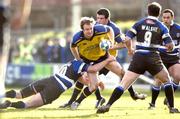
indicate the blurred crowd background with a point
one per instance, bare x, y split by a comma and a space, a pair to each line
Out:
46, 37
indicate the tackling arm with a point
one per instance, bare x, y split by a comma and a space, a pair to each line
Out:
97, 67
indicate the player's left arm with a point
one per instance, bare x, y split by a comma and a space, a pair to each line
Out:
169, 44
118, 46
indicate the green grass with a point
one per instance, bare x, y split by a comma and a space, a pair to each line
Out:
125, 108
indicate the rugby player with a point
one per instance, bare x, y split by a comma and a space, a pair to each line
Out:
85, 46
47, 90
170, 59
103, 17
150, 33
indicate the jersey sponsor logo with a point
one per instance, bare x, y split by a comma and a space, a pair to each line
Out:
91, 47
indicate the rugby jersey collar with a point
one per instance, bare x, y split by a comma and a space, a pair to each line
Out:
152, 17
172, 23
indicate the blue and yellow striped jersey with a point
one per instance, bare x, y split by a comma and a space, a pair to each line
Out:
89, 48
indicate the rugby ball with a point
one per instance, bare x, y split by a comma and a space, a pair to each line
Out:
105, 44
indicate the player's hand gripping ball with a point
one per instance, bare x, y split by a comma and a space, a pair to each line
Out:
105, 44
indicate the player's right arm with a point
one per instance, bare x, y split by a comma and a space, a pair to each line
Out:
73, 46
75, 53
128, 43
128, 39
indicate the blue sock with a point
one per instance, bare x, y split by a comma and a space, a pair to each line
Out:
155, 92
175, 86
169, 93
118, 91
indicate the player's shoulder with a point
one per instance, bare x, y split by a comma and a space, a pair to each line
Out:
161, 25
77, 63
113, 26
142, 20
101, 28
176, 25
77, 36
79, 66
139, 22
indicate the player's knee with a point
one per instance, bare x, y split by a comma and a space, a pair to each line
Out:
176, 77
93, 88
122, 72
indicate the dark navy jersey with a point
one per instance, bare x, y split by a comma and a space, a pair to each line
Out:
118, 35
170, 57
175, 33
150, 34
174, 30
70, 72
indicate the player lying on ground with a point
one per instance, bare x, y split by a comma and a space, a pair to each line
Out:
47, 90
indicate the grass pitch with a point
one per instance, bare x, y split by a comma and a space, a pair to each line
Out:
125, 108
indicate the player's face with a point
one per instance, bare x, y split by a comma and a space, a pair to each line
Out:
101, 19
88, 30
167, 18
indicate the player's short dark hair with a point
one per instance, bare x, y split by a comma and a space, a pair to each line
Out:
86, 20
154, 9
104, 11
168, 11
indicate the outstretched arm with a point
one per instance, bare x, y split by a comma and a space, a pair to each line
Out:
118, 46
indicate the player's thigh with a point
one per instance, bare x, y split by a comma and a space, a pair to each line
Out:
157, 82
116, 68
35, 101
174, 72
51, 91
128, 79
93, 81
163, 75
